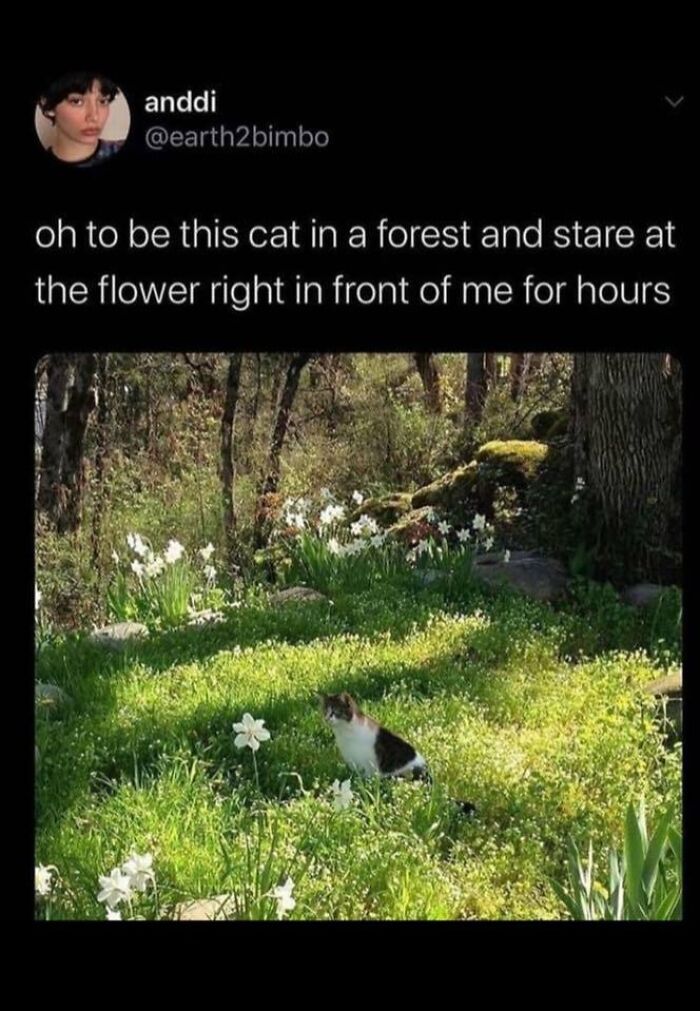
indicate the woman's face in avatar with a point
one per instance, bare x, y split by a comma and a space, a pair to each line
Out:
82, 117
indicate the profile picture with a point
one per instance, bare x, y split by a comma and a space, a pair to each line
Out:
82, 118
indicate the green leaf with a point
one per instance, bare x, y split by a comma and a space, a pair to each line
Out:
634, 862
573, 908
654, 854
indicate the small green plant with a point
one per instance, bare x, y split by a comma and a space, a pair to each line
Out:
644, 882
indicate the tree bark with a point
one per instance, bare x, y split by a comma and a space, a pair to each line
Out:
81, 402
430, 377
101, 449
270, 482
626, 427
475, 390
228, 467
58, 385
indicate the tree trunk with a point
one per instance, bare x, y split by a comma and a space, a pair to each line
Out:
430, 377
58, 384
626, 426
228, 469
80, 403
475, 390
101, 448
523, 366
271, 481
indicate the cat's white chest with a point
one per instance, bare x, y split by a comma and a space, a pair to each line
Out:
355, 742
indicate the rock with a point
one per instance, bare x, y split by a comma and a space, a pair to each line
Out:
119, 635
386, 510
457, 495
295, 595
51, 701
537, 577
412, 527
642, 594
448, 492
669, 691
219, 907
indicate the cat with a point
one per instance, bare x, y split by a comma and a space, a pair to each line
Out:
371, 749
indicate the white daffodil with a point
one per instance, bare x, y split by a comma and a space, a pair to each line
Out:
334, 546
207, 552
210, 574
37, 597
358, 497
421, 547
444, 528
330, 514
488, 543
506, 556
155, 566
115, 557
139, 870
115, 888
463, 536
173, 552
113, 914
138, 567
283, 895
137, 545
342, 794
326, 494
479, 522
43, 879
250, 733
377, 540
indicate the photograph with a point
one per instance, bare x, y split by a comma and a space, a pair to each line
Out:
354, 635
82, 119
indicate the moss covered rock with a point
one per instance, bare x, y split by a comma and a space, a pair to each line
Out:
513, 462
412, 527
449, 491
385, 510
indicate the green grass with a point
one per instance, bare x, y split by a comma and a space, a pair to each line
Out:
536, 716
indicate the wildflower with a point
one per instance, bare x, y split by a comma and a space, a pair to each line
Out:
444, 528
250, 733
421, 547
138, 567
365, 524
43, 879
330, 514
431, 516
155, 566
136, 544
358, 497
283, 895
488, 543
377, 540
506, 556
115, 557
210, 573
37, 597
138, 870
295, 520
207, 552
342, 794
580, 484
113, 914
479, 522
173, 552
326, 494
115, 888
334, 546
463, 535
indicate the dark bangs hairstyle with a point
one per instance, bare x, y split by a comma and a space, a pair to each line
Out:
69, 84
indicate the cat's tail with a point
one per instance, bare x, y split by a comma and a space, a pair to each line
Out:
466, 807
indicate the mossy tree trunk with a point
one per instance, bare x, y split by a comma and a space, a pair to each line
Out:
626, 427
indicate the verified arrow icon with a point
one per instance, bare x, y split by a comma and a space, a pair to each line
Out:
674, 102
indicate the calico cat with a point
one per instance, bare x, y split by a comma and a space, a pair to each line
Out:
369, 748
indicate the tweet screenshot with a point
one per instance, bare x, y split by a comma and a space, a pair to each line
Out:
355, 393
